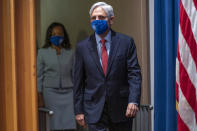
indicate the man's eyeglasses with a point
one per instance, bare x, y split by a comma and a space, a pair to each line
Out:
99, 17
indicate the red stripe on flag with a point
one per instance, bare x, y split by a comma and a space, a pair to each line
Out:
176, 84
195, 3
196, 111
181, 125
186, 86
187, 32
178, 55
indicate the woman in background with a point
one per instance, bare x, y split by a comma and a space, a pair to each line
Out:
54, 78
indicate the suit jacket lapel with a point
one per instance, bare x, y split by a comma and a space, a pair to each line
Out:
94, 52
113, 49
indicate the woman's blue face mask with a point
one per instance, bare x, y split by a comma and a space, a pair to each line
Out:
99, 26
56, 40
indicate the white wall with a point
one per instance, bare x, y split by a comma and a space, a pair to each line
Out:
72, 13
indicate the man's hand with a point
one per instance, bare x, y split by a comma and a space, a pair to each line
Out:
80, 120
132, 110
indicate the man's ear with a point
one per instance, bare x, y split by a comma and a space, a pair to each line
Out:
111, 20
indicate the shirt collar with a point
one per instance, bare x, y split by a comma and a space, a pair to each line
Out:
107, 37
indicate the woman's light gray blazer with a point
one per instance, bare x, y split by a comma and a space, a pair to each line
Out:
50, 72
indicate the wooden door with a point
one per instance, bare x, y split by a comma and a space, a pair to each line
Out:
18, 109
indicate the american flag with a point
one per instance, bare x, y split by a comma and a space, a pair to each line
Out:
186, 67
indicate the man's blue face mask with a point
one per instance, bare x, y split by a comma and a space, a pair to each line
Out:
99, 26
56, 40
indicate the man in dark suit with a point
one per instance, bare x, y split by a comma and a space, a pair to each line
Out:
107, 76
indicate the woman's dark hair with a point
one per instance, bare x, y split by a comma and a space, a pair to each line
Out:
65, 44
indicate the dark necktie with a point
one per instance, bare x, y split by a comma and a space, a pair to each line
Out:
104, 56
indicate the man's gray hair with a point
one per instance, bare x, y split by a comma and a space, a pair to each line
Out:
107, 8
